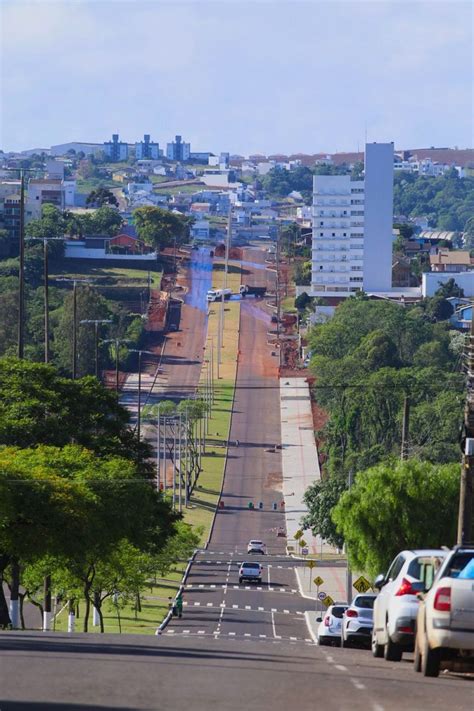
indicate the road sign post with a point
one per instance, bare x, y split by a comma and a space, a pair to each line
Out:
362, 585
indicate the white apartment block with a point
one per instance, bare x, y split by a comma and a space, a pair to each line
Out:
352, 228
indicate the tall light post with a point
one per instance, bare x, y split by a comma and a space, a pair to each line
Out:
117, 342
74, 283
21, 275
97, 323
140, 352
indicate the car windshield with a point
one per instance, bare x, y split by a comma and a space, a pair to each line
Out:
338, 612
251, 565
457, 563
256, 543
364, 602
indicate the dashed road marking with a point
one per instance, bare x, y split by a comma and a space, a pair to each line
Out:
235, 607
286, 612
247, 634
196, 604
247, 607
201, 631
186, 631
169, 631
262, 636
358, 684
261, 609
209, 604
340, 667
294, 639
231, 634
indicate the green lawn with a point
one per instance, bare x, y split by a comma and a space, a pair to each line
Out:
111, 276
86, 185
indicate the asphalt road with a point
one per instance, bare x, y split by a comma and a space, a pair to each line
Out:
237, 646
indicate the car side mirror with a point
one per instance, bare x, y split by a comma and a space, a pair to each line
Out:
379, 581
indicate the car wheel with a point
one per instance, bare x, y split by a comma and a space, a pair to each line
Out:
322, 642
417, 656
377, 649
430, 660
392, 652
240, 580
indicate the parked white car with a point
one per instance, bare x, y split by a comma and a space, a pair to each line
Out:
255, 546
396, 606
329, 629
445, 621
357, 621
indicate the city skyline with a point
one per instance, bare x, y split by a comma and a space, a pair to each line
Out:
325, 76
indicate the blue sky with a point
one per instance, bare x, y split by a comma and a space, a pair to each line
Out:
241, 76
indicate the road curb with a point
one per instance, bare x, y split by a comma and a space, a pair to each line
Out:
168, 617
309, 626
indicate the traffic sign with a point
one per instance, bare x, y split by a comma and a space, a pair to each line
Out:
328, 601
298, 534
362, 584
302, 543
311, 564
322, 596
304, 551
318, 581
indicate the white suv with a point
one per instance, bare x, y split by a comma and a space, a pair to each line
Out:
255, 546
396, 606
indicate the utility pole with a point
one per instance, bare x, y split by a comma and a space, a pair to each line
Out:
405, 428
46, 310
21, 279
117, 342
467, 469
158, 450
97, 323
348, 570
74, 282
277, 294
139, 410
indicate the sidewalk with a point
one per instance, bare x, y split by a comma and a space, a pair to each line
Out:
334, 577
300, 463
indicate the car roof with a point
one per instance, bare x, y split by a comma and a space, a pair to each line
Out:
425, 551
251, 563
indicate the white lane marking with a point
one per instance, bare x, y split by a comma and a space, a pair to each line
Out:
200, 585
260, 609
186, 631
272, 589
282, 589
235, 607
212, 586
294, 639
274, 609
247, 607
218, 562
231, 634
201, 631
247, 634
330, 659
358, 684
277, 636
247, 587
298, 612
286, 612
340, 667
293, 591
262, 636
279, 567
196, 604
259, 588
377, 707
185, 602
169, 631
209, 604
222, 604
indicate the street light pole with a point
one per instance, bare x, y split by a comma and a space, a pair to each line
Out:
139, 413
97, 323
21, 280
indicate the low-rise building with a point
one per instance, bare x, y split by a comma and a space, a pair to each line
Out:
431, 282
445, 260
200, 229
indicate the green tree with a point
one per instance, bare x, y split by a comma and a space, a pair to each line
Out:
90, 305
100, 197
394, 506
50, 224
161, 228
106, 221
450, 288
321, 498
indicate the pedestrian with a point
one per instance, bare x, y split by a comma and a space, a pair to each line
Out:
179, 603
237, 442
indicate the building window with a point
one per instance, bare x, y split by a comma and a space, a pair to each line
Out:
333, 234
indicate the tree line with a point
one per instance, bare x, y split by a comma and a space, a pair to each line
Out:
371, 361
77, 495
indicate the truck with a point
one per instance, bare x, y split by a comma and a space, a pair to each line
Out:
251, 572
247, 290
219, 294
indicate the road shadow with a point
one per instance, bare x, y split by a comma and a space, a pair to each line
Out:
59, 705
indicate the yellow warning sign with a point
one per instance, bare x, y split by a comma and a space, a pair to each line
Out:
298, 534
318, 581
311, 564
362, 584
327, 601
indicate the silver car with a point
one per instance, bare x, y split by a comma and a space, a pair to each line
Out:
329, 629
358, 621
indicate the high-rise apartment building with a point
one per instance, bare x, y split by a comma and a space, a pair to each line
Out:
177, 150
352, 228
116, 150
147, 149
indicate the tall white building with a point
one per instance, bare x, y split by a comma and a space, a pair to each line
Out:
352, 228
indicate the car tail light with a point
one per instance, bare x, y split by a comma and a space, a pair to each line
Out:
442, 600
326, 621
352, 613
406, 588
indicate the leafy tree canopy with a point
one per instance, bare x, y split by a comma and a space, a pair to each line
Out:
160, 228
100, 197
394, 506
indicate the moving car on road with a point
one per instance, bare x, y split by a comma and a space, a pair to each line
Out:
255, 546
396, 606
445, 620
357, 621
251, 572
329, 630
